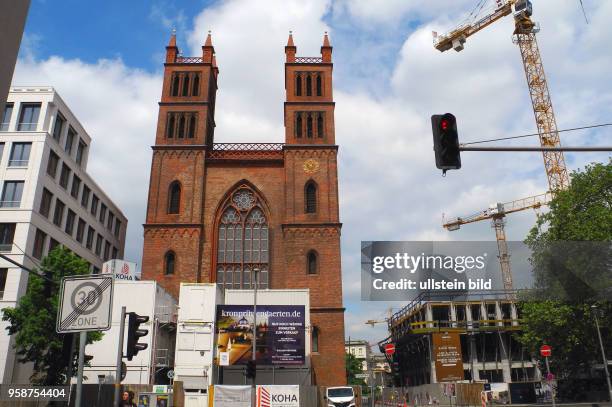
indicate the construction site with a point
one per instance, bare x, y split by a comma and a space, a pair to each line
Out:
467, 342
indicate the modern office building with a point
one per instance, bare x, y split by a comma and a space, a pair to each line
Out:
47, 199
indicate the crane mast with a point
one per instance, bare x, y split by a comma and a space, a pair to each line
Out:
554, 161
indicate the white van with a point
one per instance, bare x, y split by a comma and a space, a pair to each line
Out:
340, 397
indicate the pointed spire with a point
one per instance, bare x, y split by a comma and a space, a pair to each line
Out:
208, 50
326, 49
326, 40
290, 40
171, 49
172, 42
290, 49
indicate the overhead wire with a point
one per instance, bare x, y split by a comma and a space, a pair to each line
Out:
537, 134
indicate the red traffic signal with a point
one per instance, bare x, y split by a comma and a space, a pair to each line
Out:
446, 142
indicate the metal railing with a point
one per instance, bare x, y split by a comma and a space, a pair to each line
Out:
308, 60
188, 60
18, 163
6, 247
26, 126
4, 126
229, 151
10, 204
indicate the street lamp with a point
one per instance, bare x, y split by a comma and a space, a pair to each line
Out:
603, 353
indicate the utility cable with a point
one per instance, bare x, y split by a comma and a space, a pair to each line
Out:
537, 134
2, 256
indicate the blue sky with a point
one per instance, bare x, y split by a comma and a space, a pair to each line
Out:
105, 60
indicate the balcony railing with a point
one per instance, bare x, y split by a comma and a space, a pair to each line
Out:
10, 204
6, 247
188, 60
308, 60
26, 126
4, 126
245, 151
18, 163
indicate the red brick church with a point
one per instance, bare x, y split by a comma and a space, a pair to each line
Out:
216, 210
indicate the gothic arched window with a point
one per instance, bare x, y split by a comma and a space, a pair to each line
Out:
175, 85
181, 126
310, 197
320, 131
186, 85
298, 126
242, 241
298, 85
169, 262
192, 126
309, 126
171, 124
319, 86
196, 85
174, 197
312, 262
308, 85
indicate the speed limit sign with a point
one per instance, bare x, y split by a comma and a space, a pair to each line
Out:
85, 303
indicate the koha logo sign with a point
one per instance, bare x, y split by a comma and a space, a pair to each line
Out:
121, 270
278, 396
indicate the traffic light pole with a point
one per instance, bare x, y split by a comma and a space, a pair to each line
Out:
508, 149
79, 388
119, 357
254, 356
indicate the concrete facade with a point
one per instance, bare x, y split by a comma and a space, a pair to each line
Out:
27, 145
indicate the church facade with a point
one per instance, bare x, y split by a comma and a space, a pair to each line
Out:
218, 211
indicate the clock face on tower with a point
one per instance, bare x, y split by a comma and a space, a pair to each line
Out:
311, 166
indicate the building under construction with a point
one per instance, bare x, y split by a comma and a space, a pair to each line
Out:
485, 324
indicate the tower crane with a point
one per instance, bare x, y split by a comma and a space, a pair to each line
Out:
554, 161
497, 213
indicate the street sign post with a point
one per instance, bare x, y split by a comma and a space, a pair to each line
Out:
390, 349
546, 352
85, 305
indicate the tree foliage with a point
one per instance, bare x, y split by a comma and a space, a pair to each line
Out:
571, 259
353, 367
33, 321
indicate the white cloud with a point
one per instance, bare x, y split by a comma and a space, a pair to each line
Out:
117, 105
390, 189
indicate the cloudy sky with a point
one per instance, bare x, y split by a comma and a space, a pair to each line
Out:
105, 59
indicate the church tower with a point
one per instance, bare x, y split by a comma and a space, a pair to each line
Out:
185, 126
219, 211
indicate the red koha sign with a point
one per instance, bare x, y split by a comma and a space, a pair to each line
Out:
545, 351
390, 349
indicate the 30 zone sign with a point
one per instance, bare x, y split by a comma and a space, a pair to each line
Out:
85, 304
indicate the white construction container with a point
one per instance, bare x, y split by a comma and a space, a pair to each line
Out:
145, 298
195, 335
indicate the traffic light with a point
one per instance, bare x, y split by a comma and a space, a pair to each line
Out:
134, 333
251, 369
446, 142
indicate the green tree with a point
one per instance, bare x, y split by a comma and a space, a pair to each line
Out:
33, 320
571, 261
353, 367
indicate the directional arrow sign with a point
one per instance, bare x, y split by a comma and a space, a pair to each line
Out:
85, 304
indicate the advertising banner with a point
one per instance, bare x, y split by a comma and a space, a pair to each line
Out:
278, 396
120, 269
281, 336
232, 396
447, 355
